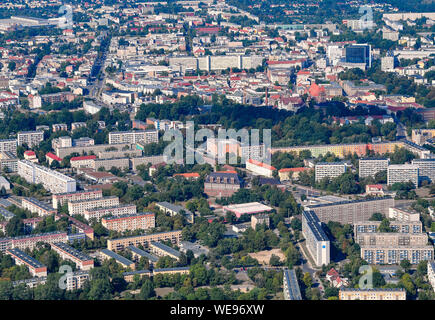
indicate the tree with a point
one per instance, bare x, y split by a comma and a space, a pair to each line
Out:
385, 226
147, 290
274, 260
405, 264
377, 216
308, 281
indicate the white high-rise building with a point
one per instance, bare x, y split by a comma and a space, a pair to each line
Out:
368, 167
31, 138
52, 180
402, 173
129, 137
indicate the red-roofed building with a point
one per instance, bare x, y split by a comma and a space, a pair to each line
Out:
260, 168
374, 190
189, 175
50, 157
335, 279
83, 162
31, 156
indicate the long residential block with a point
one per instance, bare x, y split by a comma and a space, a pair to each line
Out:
79, 207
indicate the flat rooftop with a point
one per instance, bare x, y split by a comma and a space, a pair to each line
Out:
248, 208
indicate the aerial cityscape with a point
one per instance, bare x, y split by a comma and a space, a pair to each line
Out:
217, 150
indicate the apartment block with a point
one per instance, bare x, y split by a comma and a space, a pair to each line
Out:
52, 180
83, 162
130, 137
30, 138
137, 254
396, 226
426, 169
106, 254
107, 164
36, 268
121, 210
36, 206
79, 207
130, 222
352, 211
403, 215
163, 250
399, 173
368, 167
9, 145
8, 161
76, 280
372, 294
144, 240
60, 198
329, 169
317, 241
260, 168
29, 241
291, 286
82, 261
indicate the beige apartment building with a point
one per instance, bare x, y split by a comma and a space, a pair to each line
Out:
79, 207
372, 294
144, 240
121, 210
130, 222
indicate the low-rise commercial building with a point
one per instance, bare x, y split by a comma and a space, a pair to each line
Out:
249, 208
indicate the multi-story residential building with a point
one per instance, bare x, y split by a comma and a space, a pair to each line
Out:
83, 162
130, 137
431, 273
106, 254
382, 239
222, 184
137, 254
77, 225
260, 168
130, 275
36, 206
121, 210
31, 138
403, 215
79, 207
36, 268
59, 127
420, 136
398, 173
178, 270
396, 226
107, 164
52, 180
349, 212
162, 250
372, 294
82, 261
329, 169
259, 219
7, 215
368, 167
60, 198
144, 240
76, 280
29, 241
426, 169
172, 209
61, 142
130, 222
254, 152
317, 241
9, 145
8, 161
291, 286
